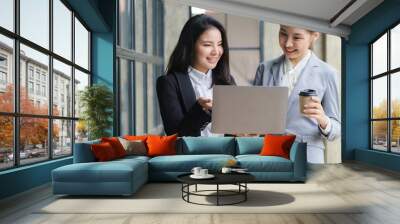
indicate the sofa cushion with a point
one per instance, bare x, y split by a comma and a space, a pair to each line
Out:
116, 145
185, 163
206, 145
257, 163
131, 158
277, 145
249, 145
103, 151
133, 147
134, 137
161, 145
142, 138
112, 171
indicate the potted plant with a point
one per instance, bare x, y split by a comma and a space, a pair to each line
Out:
96, 102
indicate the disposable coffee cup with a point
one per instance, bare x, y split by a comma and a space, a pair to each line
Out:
305, 97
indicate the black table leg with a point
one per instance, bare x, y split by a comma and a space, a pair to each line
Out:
245, 193
217, 194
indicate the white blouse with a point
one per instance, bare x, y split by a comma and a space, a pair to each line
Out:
201, 83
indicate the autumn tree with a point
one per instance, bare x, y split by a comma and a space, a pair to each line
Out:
380, 127
33, 131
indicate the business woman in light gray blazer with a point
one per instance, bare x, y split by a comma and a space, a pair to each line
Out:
299, 68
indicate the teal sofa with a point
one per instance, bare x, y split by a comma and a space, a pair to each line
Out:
125, 176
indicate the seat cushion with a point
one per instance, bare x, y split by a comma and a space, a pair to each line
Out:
257, 163
111, 171
184, 163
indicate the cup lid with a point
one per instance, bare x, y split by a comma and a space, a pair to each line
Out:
308, 92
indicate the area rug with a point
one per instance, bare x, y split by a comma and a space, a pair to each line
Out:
167, 198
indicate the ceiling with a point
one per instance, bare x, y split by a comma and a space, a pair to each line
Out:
327, 16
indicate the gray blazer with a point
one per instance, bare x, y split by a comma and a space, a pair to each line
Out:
316, 75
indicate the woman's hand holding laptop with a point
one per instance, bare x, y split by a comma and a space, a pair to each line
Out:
205, 103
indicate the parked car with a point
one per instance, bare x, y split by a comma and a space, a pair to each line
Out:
22, 155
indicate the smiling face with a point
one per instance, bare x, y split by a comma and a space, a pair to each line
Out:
208, 50
295, 42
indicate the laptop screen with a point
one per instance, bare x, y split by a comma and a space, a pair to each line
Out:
249, 109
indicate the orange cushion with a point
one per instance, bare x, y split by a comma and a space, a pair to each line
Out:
103, 151
116, 145
161, 145
135, 138
277, 145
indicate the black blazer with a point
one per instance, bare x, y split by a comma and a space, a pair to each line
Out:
179, 109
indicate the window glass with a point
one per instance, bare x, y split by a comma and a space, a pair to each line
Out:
379, 98
125, 24
139, 44
395, 95
395, 136
81, 131
62, 138
33, 140
7, 14
62, 29
62, 91
126, 76
39, 62
379, 56
34, 80
395, 47
139, 99
6, 74
81, 81
81, 45
379, 135
150, 31
151, 98
35, 21
6, 142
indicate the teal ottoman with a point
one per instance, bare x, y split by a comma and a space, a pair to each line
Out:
118, 177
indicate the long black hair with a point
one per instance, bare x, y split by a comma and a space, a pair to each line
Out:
184, 53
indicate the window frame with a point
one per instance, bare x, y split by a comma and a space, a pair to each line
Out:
146, 58
388, 74
16, 115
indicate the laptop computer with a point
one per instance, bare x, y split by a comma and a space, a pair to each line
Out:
249, 109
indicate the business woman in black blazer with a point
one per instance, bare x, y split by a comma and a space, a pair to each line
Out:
202, 48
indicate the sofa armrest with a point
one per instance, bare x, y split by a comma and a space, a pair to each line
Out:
83, 152
298, 155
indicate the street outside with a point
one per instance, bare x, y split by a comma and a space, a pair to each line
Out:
29, 156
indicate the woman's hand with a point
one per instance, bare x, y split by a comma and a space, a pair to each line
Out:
314, 109
205, 103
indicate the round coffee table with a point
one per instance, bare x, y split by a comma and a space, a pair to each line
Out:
238, 179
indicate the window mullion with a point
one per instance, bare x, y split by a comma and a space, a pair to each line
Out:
16, 69
73, 81
50, 81
389, 101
